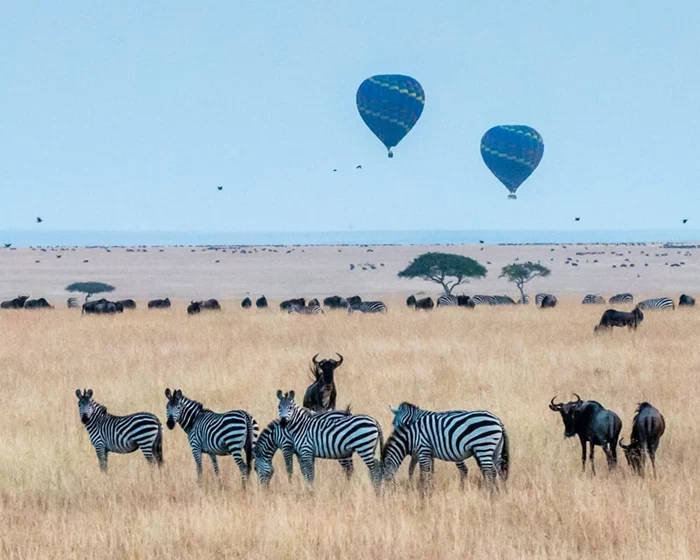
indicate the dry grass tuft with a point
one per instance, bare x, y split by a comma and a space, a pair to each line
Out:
56, 504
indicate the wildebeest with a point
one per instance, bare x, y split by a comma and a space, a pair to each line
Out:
194, 307
210, 304
286, 304
647, 428
16, 303
465, 301
335, 302
246, 303
321, 395
411, 301
40, 303
425, 303
261, 302
593, 424
102, 307
159, 303
613, 318
548, 302
127, 303
686, 301
354, 300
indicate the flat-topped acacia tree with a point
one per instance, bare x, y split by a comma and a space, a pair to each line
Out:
89, 288
521, 273
446, 269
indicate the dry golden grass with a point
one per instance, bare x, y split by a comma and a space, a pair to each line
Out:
56, 504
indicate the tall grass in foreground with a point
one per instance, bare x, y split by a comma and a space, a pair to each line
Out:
54, 502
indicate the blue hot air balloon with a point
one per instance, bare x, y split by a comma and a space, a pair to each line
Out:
512, 153
390, 106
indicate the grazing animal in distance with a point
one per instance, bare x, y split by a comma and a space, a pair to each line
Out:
613, 318
120, 434
425, 303
647, 428
368, 307
656, 303
446, 300
321, 395
127, 303
101, 307
593, 424
335, 302
286, 304
159, 303
548, 302
261, 302
246, 303
216, 434
686, 301
411, 301
354, 300
16, 303
621, 298
194, 307
465, 301
40, 303
210, 304
72, 302
593, 299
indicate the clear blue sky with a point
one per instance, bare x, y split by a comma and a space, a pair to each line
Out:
127, 116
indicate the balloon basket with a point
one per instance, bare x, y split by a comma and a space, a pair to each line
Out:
511, 196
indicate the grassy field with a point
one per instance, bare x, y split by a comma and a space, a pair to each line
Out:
54, 502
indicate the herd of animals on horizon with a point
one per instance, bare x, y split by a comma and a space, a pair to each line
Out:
316, 430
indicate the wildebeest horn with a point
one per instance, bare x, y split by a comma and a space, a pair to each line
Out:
577, 397
553, 405
623, 445
339, 361
314, 359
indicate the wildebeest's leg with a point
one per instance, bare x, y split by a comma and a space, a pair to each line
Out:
462, 467
347, 466
214, 463
607, 449
102, 458
651, 449
242, 466
591, 457
583, 453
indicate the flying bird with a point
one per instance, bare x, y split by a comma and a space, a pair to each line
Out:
219, 187
8, 245
335, 170
359, 167
685, 220
39, 220
577, 219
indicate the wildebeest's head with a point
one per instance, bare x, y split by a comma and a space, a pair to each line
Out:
568, 413
286, 407
86, 406
633, 454
324, 369
173, 409
638, 313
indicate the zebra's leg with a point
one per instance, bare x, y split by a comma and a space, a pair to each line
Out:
288, 455
463, 472
242, 466
347, 466
197, 454
425, 463
102, 458
374, 466
306, 464
412, 466
215, 464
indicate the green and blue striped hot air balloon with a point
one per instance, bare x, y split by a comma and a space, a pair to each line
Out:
512, 153
390, 105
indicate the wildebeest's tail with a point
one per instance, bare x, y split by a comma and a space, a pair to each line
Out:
250, 440
503, 461
158, 446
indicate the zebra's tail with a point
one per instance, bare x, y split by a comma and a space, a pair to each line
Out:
251, 440
380, 463
503, 461
158, 446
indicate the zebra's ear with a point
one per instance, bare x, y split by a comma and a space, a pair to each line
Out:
88, 393
178, 393
77, 393
394, 411
280, 395
291, 394
168, 393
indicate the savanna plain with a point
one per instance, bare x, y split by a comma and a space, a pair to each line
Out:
55, 503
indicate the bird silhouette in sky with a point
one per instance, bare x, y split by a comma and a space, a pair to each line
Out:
219, 187
335, 170
39, 220
359, 167
685, 220
481, 241
577, 219
8, 245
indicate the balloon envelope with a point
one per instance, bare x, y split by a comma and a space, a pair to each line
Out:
390, 105
512, 153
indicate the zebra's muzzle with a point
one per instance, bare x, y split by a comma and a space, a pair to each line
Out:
283, 422
84, 418
170, 423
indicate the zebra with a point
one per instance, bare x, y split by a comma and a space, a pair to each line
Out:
368, 307
539, 297
492, 300
310, 309
657, 303
454, 436
447, 300
482, 300
72, 302
329, 436
228, 433
593, 299
275, 437
120, 434
622, 298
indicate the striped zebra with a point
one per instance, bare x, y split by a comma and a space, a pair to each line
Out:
447, 300
368, 307
540, 297
120, 434
275, 437
452, 436
72, 302
482, 300
622, 298
593, 299
657, 303
492, 300
228, 433
310, 309
329, 436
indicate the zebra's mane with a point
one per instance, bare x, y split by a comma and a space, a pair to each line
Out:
410, 406
99, 408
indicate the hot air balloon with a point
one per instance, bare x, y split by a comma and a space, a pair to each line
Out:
390, 105
512, 153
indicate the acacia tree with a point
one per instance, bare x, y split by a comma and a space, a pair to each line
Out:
445, 269
89, 288
521, 273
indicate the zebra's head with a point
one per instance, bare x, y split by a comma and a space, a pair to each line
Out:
86, 406
405, 415
173, 409
286, 407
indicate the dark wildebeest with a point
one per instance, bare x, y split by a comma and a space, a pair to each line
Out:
127, 303
548, 302
335, 302
593, 424
102, 306
210, 304
465, 301
411, 301
298, 302
354, 300
16, 303
246, 303
40, 303
159, 303
647, 428
425, 303
194, 307
321, 394
612, 318
261, 302
686, 301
